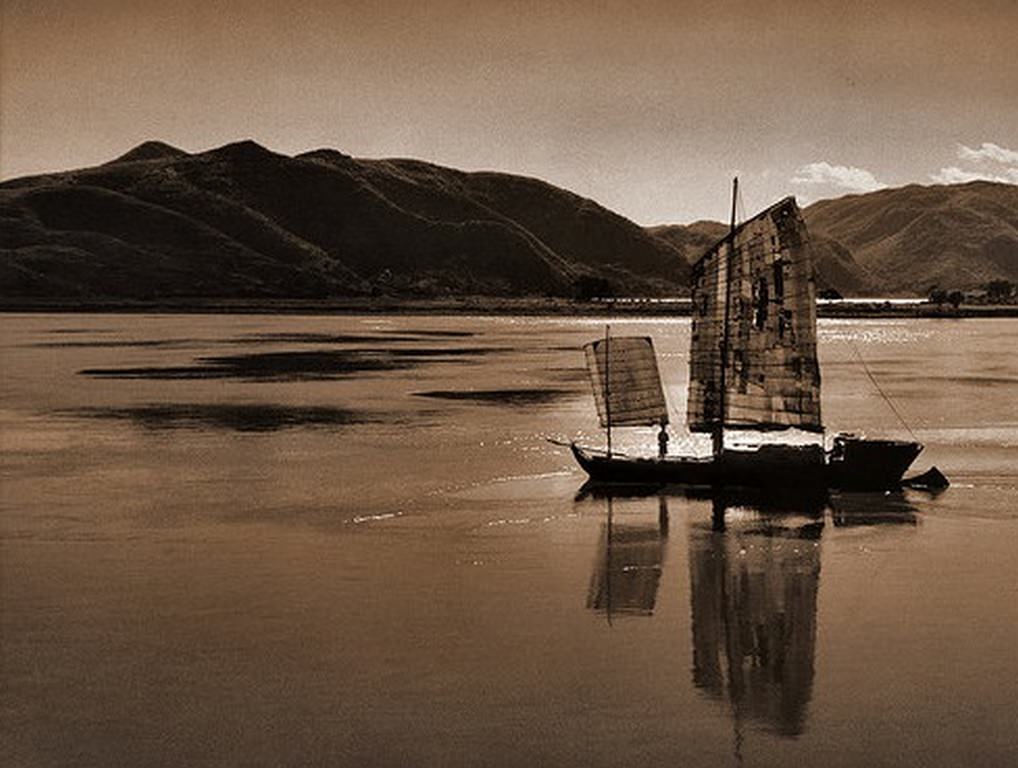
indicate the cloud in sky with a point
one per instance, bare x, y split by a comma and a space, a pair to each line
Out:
954, 175
988, 151
991, 162
840, 176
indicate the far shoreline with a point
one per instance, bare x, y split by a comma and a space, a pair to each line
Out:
481, 305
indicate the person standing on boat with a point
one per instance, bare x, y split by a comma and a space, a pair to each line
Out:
662, 441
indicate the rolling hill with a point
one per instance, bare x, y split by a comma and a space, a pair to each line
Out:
913, 238
241, 221
898, 241
835, 267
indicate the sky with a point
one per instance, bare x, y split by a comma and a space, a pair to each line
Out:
649, 108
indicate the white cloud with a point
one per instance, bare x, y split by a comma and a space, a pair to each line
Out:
841, 176
988, 151
955, 175
991, 162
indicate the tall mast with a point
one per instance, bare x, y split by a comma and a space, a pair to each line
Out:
607, 385
719, 427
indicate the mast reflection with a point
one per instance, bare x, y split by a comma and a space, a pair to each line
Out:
754, 577
754, 568
754, 580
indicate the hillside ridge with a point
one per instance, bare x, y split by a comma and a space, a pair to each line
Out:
243, 222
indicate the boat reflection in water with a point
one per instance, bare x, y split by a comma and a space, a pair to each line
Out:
858, 509
627, 570
754, 568
754, 578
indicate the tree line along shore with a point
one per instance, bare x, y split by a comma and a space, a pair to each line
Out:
483, 305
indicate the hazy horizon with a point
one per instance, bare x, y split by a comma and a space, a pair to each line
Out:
648, 108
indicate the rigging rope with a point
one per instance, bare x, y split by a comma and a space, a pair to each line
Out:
869, 374
882, 393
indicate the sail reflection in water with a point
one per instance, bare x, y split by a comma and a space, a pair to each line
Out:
627, 571
754, 581
753, 592
754, 569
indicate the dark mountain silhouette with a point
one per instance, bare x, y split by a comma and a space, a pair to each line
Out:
899, 241
244, 222
151, 150
692, 240
835, 267
913, 238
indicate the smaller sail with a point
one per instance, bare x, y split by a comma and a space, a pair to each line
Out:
627, 385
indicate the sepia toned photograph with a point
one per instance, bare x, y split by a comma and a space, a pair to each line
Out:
508, 383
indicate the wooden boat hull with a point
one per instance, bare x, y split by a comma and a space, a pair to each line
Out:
861, 465
866, 465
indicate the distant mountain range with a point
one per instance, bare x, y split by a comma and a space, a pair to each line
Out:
913, 238
835, 267
242, 222
899, 241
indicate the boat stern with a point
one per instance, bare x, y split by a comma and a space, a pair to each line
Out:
861, 464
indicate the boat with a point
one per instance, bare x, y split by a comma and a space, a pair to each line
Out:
753, 370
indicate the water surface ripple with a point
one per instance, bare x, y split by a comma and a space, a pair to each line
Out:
290, 541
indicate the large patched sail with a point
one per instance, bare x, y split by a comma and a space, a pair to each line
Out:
627, 385
762, 317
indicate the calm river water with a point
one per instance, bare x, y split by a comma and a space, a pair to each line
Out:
282, 541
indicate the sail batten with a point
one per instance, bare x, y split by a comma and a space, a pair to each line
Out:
632, 394
755, 333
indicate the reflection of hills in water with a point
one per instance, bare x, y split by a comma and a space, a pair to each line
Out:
753, 592
627, 570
